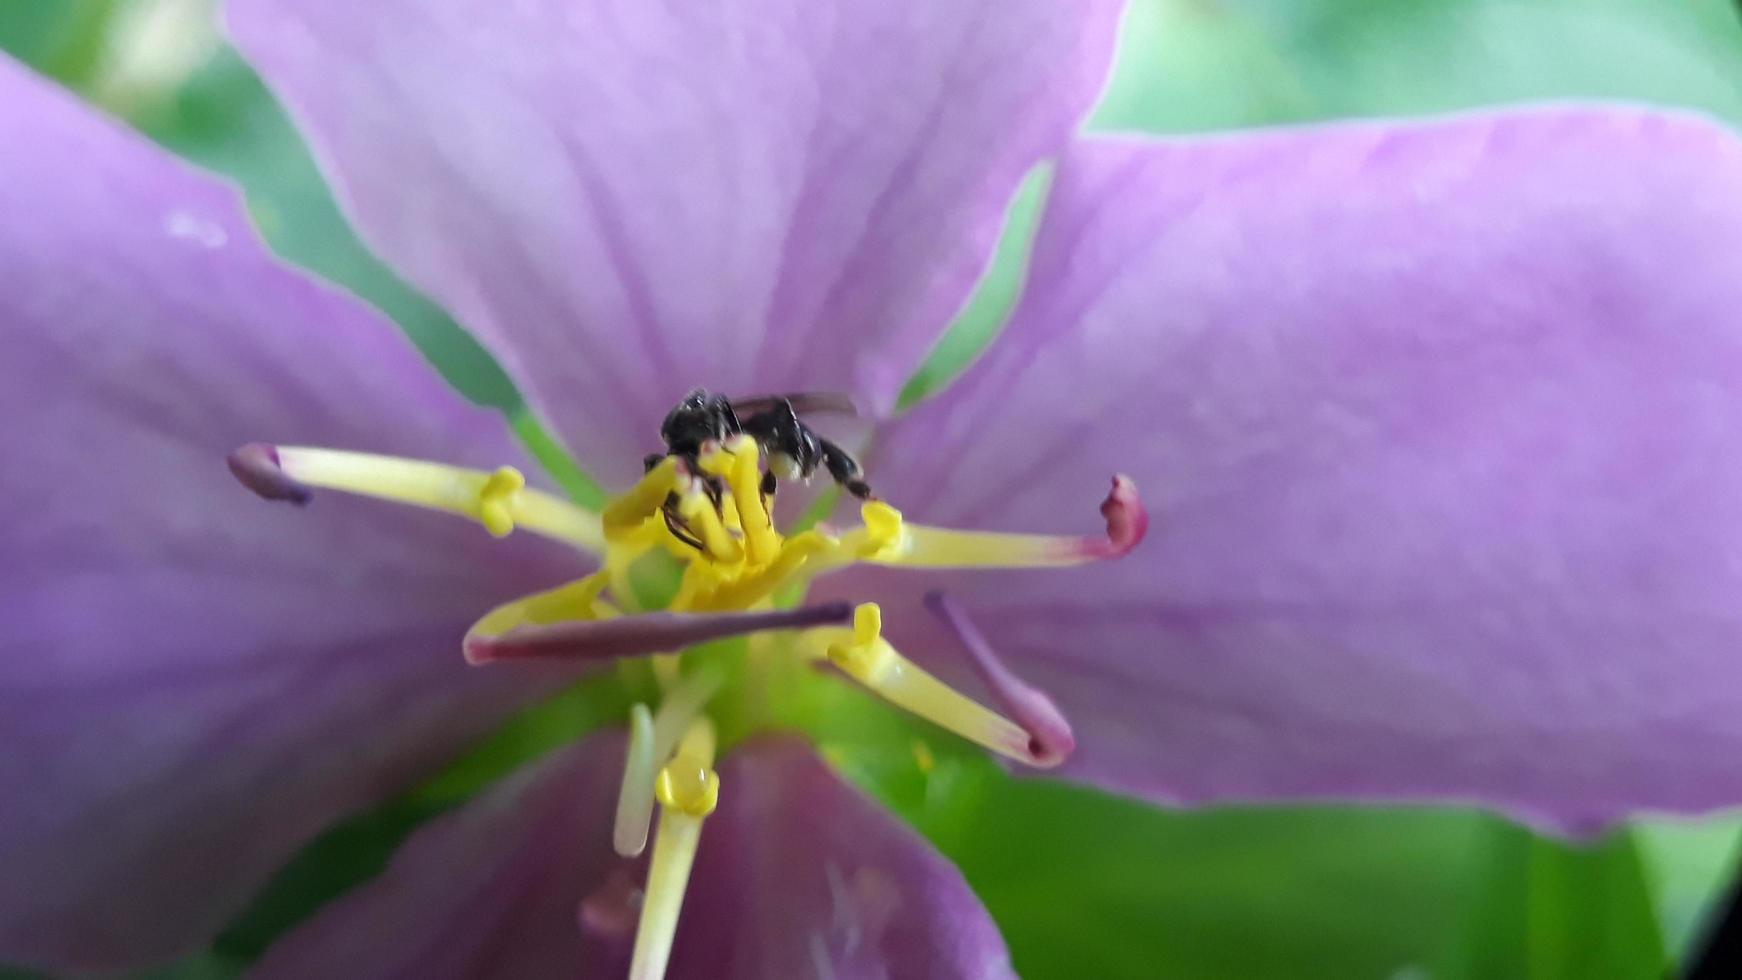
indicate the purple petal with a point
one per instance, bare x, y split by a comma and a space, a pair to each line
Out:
495, 889
193, 681
1439, 427
798, 875
627, 200
802, 870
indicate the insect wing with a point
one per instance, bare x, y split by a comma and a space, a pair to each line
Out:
803, 403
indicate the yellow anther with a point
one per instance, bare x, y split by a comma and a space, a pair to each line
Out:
867, 623
628, 512
880, 537
697, 510
884, 530
688, 787
866, 658
688, 783
496, 499
739, 462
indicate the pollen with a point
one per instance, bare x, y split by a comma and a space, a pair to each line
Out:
496, 498
885, 532
865, 657
688, 786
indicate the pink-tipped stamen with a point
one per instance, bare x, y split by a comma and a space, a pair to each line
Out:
256, 467
1050, 739
1127, 522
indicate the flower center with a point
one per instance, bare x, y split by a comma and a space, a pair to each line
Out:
739, 576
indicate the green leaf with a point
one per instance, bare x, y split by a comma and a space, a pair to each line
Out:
63, 39
993, 297
1689, 864
225, 119
1552, 910
555, 458
335, 862
1084, 884
1191, 66
1184, 66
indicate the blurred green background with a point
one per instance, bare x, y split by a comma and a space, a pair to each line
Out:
1083, 884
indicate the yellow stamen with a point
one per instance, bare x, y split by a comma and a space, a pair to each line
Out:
680, 707
882, 534
499, 500
578, 600
699, 516
886, 539
862, 654
621, 554
652, 739
628, 513
757, 586
936, 547
738, 462
688, 790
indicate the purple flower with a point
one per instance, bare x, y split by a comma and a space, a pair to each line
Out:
1436, 420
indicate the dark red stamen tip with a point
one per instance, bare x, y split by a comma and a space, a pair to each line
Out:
256, 467
641, 635
1127, 520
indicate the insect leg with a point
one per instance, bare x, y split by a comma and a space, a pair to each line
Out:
844, 468
676, 527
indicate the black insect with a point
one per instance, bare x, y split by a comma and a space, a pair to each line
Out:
793, 450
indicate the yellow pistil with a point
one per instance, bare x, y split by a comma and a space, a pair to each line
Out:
499, 500
688, 790
862, 654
